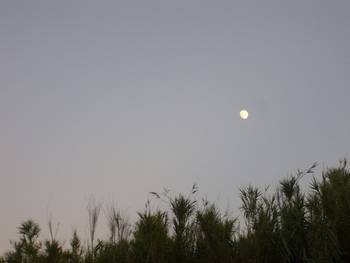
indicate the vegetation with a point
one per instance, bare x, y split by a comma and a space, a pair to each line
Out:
285, 225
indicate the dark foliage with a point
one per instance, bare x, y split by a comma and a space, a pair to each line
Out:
286, 225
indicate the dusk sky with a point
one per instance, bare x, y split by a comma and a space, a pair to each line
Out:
120, 98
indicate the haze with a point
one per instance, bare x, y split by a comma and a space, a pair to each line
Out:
120, 98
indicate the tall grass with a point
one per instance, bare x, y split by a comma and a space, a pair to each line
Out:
285, 224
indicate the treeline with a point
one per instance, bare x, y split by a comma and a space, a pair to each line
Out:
285, 224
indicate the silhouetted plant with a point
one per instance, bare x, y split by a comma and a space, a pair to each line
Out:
94, 210
215, 240
110, 252
118, 224
27, 248
287, 225
53, 252
75, 254
183, 209
329, 214
151, 241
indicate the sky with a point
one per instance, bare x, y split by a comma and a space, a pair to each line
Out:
119, 98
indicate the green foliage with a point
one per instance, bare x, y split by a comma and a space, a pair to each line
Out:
27, 248
74, 255
151, 243
53, 252
110, 252
183, 209
215, 242
286, 225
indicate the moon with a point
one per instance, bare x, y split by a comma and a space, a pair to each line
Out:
244, 114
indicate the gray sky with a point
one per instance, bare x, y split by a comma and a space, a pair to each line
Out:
119, 98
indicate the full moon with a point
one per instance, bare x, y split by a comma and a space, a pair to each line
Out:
244, 114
